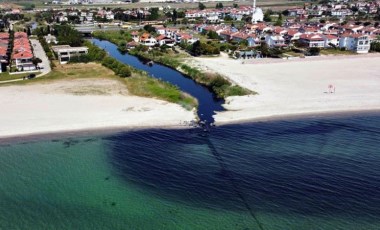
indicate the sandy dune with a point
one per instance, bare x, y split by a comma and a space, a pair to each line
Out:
298, 87
79, 105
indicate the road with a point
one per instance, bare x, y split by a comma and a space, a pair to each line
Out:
40, 53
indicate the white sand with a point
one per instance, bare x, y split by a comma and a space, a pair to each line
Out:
80, 105
298, 87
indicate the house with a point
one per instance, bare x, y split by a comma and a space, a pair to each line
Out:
239, 37
66, 52
358, 43
135, 36
275, 41
163, 40
312, 40
132, 44
293, 35
330, 40
147, 40
22, 55
253, 40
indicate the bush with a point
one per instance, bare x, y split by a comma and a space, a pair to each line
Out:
314, 51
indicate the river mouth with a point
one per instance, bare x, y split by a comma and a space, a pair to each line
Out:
208, 103
315, 173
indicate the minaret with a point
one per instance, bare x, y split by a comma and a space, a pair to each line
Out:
257, 14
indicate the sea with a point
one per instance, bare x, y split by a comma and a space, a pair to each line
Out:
316, 172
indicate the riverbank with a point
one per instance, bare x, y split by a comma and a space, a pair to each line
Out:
71, 104
219, 85
298, 88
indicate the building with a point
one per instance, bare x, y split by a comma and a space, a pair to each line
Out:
275, 41
50, 39
257, 14
359, 43
312, 40
66, 52
22, 55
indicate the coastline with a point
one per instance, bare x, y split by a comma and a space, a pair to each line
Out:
294, 88
308, 115
95, 132
80, 106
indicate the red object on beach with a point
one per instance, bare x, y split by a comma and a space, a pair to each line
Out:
330, 88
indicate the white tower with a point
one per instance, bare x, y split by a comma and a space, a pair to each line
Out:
257, 14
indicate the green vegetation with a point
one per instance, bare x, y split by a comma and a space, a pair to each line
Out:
336, 51
120, 38
219, 85
219, 5
143, 85
201, 6
66, 35
138, 82
6, 76
375, 45
202, 48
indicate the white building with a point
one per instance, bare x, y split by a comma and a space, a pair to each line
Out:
330, 40
65, 52
358, 43
257, 15
275, 41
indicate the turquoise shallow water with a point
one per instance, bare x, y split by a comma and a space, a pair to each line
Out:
317, 173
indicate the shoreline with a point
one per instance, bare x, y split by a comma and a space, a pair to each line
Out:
331, 85
77, 133
95, 132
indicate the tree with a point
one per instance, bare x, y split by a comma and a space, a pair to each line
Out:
354, 10
212, 35
67, 35
29, 31
267, 17
174, 16
153, 14
125, 71
285, 12
235, 5
219, 5
314, 51
201, 6
149, 28
279, 20
35, 61
375, 45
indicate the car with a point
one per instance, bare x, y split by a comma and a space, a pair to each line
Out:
31, 76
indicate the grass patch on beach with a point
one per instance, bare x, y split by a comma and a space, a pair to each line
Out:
145, 86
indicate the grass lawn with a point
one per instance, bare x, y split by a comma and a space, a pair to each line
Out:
6, 76
336, 52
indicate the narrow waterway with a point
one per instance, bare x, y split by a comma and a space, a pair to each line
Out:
208, 103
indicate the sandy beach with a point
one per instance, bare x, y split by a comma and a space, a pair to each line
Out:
81, 104
298, 87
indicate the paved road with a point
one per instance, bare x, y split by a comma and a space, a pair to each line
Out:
39, 53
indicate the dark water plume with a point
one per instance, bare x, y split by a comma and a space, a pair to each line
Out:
316, 170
